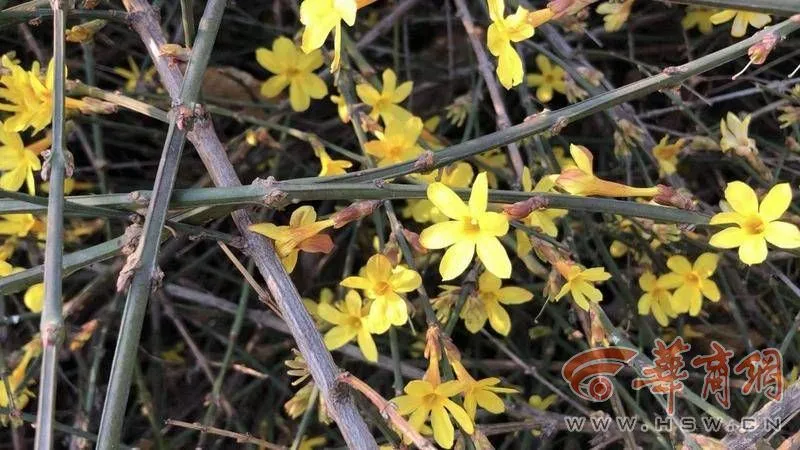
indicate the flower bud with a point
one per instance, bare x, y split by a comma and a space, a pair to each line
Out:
355, 211
521, 210
85, 31
413, 240
669, 196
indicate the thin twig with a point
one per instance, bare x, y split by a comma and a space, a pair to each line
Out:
240, 438
485, 68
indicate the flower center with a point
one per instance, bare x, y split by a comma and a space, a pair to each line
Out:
692, 278
292, 72
382, 288
354, 322
471, 225
754, 225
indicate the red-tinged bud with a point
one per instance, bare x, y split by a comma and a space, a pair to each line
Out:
355, 211
413, 240
669, 196
521, 210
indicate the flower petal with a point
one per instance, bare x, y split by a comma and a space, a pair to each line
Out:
274, 85
298, 97
753, 250
782, 234
493, 224
728, 238
583, 157
356, 283
339, 336
441, 235
742, 198
710, 290
487, 282
479, 198
447, 201
404, 279
269, 61
443, 432
513, 295
706, 264
776, 202
490, 401
456, 259
493, 256
498, 318
367, 345
379, 268
460, 415
331, 314
679, 264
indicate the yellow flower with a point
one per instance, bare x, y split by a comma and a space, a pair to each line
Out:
698, 17
19, 162
16, 380
34, 297
735, 135
740, 20
28, 96
302, 233
350, 318
501, 33
552, 78
580, 283
616, 14
692, 282
458, 175
755, 224
657, 299
385, 103
667, 155
341, 108
310, 443
537, 402
20, 225
384, 284
581, 180
491, 298
425, 399
330, 167
472, 227
134, 76
481, 393
397, 143
294, 69
322, 16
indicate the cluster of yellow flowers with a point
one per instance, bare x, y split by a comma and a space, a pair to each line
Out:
691, 283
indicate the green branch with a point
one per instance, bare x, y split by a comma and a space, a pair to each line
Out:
51, 325
181, 121
279, 194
